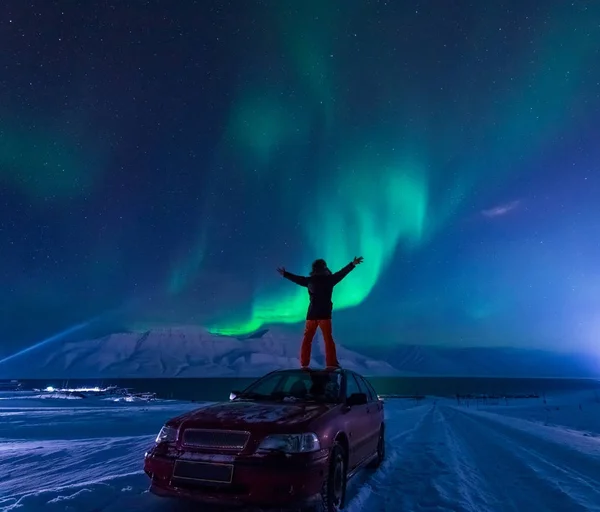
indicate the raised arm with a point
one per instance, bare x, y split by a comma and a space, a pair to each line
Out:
299, 280
340, 274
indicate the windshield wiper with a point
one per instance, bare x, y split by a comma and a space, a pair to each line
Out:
282, 395
251, 395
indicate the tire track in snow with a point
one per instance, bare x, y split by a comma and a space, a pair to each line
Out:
401, 424
416, 475
523, 471
472, 493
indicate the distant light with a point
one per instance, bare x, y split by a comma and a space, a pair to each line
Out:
96, 389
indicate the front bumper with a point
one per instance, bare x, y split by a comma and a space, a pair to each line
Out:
274, 479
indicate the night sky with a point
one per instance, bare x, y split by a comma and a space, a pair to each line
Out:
159, 160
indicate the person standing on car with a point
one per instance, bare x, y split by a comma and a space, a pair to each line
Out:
320, 284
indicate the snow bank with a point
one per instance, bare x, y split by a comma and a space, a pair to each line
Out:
578, 411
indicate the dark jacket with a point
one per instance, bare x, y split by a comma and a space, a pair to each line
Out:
320, 289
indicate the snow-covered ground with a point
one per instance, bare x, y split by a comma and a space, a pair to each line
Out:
524, 455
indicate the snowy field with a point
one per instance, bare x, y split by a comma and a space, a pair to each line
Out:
524, 455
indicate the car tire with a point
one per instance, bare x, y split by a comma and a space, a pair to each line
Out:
333, 494
380, 456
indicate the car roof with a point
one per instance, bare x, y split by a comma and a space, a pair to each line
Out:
311, 370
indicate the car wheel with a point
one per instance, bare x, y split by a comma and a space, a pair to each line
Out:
380, 450
333, 493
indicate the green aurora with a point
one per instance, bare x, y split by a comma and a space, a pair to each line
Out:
381, 197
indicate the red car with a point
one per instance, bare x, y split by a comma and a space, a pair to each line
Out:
292, 438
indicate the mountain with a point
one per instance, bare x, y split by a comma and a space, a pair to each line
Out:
187, 351
191, 351
486, 361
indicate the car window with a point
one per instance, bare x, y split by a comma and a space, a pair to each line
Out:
325, 387
351, 385
362, 388
320, 386
371, 388
296, 385
362, 382
267, 384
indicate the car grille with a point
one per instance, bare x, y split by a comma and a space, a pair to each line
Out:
203, 472
229, 440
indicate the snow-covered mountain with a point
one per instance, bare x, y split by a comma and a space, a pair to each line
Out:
177, 352
191, 351
486, 361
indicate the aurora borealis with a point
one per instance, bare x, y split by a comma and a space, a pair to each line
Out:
158, 161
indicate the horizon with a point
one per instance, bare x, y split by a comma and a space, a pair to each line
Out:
290, 332
125, 355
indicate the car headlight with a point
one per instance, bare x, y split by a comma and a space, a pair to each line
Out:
290, 443
166, 435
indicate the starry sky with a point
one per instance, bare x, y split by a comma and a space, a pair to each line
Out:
159, 160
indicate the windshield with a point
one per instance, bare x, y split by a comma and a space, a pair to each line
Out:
296, 385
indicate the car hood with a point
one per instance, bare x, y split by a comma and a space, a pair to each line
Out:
248, 415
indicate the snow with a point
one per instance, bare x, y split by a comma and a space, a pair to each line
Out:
261, 413
504, 362
192, 351
473, 456
187, 351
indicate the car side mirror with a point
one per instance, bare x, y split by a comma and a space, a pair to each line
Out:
234, 394
356, 399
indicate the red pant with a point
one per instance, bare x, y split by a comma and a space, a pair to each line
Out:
310, 330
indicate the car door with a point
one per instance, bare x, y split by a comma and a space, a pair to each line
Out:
373, 411
357, 425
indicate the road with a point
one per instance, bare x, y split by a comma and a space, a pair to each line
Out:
440, 456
